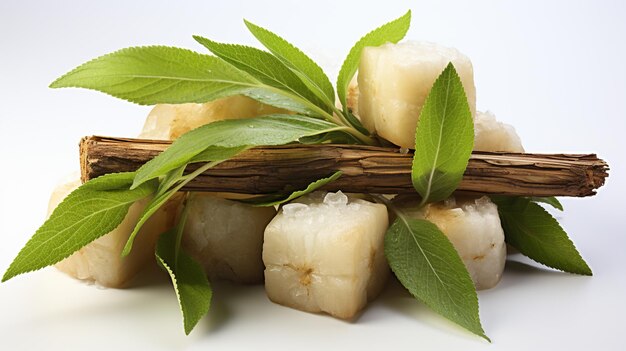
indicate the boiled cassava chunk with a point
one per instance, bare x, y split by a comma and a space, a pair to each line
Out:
394, 81
493, 135
101, 261
324, 253
168, 122
226, 237
473, 226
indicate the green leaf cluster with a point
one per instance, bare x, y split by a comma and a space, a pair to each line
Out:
284, 77
419, 253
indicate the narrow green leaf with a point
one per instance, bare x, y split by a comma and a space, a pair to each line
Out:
427, 264
159, 74
273, 200
216, 154
89, 212
269, 70
535, 233
391, 32
265, 130
282, 99
552, 201
301, 64
443, 140
192, 288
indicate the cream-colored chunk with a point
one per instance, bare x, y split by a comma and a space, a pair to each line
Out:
324, 253
101, 261
168, 122
226, 237
394, 81
493, 135
473, 226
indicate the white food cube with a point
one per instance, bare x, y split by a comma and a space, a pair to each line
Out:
226, 237
493, 135
168, 122
473, 226
101, 261
394, 81
324, 253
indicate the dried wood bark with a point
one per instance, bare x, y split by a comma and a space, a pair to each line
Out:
366, 169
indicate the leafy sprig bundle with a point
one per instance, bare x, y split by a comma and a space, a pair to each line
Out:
421, 256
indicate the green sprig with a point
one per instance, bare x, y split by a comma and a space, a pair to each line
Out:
418, 252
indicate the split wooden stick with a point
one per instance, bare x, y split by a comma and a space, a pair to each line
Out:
366, 169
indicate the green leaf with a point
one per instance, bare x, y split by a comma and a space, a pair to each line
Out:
270, 71
391, 32
282, 99
552, 201
302, 65
216, 153
265, 130
89, 212
159, 74
535, 233
443, 140
273, 200
427, 264
192, 288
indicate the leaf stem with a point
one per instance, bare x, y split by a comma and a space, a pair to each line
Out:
391, 206
366, 140
180, 228
337, 117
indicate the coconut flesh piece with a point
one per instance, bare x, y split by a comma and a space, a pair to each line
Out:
324, 253
226, 237
101, 261
473, 226
394, 81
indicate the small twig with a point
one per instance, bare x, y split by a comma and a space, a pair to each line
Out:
366, 169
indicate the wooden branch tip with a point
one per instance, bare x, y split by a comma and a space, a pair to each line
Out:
366, 169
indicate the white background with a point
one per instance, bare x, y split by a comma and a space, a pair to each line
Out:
556, 70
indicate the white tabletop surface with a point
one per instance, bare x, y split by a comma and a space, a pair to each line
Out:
556, 70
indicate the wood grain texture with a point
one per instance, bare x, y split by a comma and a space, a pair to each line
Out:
366, 169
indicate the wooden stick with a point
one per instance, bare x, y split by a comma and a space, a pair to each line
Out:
366, 169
